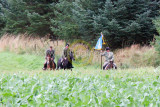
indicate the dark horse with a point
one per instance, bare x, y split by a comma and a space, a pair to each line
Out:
66, 63
50, 63
110, 65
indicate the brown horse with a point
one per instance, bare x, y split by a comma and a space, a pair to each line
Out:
50, 63
110, 65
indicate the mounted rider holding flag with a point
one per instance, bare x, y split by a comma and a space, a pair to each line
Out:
109, 58
109, 62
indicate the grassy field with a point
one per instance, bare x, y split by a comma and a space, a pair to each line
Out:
23, 83
15, 62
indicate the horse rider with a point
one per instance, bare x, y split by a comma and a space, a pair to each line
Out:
66, 54
51, 53
109, 57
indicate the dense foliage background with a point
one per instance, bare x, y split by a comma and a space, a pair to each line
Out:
123, 22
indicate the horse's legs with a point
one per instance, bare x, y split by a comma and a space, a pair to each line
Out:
114, 66
54, 65
57, 67
45, 66
105, 66
48, 66
109, 66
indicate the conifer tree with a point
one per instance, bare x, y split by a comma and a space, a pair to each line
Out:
63, 24
29, 16
16, 17
127, 21
84, 12
121, 21
3, 5
40, 13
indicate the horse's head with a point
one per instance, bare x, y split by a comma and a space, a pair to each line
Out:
48, 57
65, 63
72, 55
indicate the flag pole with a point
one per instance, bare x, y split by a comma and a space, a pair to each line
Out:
101, 49
101, 61
99, 45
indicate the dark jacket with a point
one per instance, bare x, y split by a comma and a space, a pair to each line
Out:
66, 53
51, 53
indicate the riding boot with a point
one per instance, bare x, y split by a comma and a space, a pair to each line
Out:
103, 67
71, 66
45, 66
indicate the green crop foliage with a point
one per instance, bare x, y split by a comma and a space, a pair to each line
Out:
27, 85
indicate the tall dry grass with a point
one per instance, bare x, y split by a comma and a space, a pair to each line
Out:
134, 56
24, 43
137, 56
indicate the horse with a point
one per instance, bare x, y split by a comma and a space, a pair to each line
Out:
66, 63
110, 65
50, 63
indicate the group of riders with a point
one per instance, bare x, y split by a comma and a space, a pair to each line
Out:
65, 62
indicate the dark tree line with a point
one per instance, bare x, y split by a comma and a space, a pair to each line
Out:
121, 21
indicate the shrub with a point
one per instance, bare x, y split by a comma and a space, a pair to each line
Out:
157, 44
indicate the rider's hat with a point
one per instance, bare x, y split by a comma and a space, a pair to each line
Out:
107, 48
67, 44
51, 47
